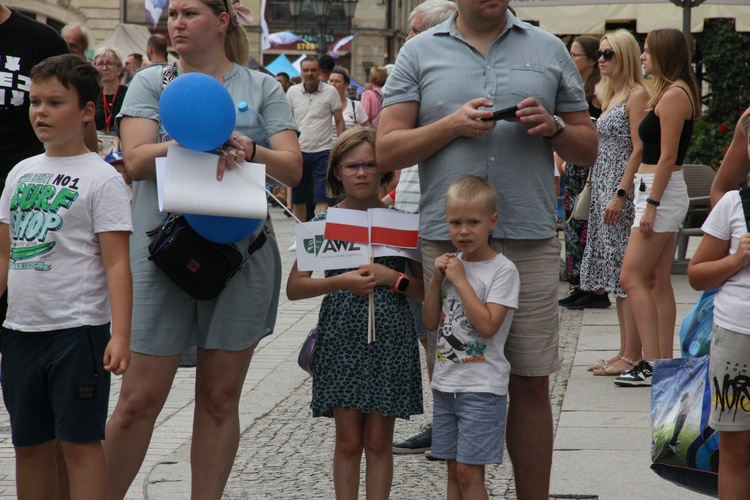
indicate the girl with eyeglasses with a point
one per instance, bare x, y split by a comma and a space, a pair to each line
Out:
582, 51
624, 98
661, 198
363, 386
108, 61
166, 320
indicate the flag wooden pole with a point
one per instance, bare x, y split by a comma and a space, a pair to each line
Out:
371, 316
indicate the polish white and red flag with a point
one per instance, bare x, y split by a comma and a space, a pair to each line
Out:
343, 224
393, 228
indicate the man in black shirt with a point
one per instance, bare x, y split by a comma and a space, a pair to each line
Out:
23, 43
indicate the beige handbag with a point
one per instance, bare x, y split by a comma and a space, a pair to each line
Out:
583, 202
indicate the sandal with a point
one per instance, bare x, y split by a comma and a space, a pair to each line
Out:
600, 364
609, 370
629, 361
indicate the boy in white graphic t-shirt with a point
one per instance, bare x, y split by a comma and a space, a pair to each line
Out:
470, 301
64, 229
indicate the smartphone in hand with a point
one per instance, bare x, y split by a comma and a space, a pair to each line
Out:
502, 114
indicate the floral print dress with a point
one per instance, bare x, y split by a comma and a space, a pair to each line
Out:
605, 249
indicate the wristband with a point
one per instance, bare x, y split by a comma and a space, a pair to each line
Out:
402, 283
254, 151
653, 202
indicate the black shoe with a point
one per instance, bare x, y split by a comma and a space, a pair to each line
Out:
575, 294
418, 443
590, 301
640, 376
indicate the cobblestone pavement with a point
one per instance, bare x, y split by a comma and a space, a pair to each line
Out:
284, 453
288, 454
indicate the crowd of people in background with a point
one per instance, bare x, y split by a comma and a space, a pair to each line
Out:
415, 141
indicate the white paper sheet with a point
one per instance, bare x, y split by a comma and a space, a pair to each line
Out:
186, 183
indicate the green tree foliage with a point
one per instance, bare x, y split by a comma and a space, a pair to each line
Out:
723, 59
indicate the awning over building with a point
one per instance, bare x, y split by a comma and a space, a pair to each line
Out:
128, 38
589, 17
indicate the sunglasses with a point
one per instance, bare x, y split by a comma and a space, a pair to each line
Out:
606, 54
353, 168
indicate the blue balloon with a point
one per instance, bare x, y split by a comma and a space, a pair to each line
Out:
197, 111
222, 229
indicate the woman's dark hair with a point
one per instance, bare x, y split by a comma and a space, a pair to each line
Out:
590, 45
340, 70
670, 59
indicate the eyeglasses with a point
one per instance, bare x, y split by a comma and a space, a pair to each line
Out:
353, 168
573, 55
106, 64
606, 54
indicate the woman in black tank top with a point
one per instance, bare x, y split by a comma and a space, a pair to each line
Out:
661, 198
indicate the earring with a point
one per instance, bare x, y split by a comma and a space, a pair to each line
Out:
221, 34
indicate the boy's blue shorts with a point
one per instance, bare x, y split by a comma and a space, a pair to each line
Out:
55, 385
468, 427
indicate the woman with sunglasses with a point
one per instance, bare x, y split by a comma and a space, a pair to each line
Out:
624, 98
583, 52
108, 61
166, 320
661, 198
364, 386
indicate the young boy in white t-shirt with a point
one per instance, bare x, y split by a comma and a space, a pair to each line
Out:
64, 229
470, 301
722, 259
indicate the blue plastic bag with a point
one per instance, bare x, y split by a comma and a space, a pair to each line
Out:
695, 332
684, 448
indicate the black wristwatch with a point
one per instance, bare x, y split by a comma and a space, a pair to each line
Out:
402, 283
621, 193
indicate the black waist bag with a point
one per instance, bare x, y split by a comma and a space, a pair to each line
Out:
198, 266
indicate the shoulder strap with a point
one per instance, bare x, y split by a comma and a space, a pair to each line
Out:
690, 100
260, 240
354, 110
745, 197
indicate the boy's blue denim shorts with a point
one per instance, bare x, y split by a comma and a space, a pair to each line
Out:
55, 385
468, 427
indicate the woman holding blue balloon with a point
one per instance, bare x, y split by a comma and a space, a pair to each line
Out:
166, 320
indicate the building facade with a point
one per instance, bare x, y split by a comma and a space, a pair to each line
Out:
381, 26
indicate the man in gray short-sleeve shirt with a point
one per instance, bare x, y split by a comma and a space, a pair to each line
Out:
444, 82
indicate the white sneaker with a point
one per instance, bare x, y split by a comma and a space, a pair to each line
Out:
639, 376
